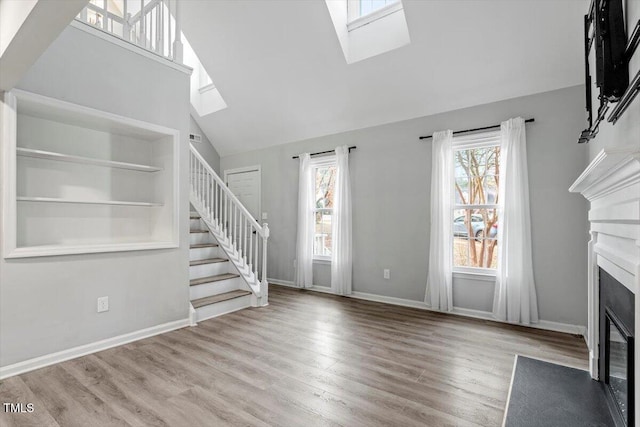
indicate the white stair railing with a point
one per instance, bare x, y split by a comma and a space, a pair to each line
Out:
237, 232
154, 24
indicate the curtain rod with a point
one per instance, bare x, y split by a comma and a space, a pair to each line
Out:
477, 129
353, 147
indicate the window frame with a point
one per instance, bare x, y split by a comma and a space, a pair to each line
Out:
315, 163
354, 20
466, 142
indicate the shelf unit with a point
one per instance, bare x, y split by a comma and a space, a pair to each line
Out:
78, 180
40, 154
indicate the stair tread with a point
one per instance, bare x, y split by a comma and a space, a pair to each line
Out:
207, 261
201, 302
209, 279
203, 245
194, 216
198, 231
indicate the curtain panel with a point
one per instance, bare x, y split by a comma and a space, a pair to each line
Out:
304, 246
440, 275
341, 246
515, 294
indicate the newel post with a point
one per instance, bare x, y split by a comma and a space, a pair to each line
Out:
264, 285
177, 43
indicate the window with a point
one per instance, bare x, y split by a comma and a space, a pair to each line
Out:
324, 174
475, 209
374, 8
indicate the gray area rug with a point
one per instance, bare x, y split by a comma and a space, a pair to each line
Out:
545, 394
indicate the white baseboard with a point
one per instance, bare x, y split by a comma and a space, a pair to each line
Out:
459, 311
83, 350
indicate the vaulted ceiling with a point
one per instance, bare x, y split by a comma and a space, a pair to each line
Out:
279, 66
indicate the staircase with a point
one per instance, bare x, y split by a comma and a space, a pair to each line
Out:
228, 248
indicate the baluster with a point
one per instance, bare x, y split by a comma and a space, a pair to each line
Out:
226, 213
212, 199
264, 252
105, 18
250, 247
242, 233
256, 259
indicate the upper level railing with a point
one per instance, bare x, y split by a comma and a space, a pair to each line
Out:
150, 24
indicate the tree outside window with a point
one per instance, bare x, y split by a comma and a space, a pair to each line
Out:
475, 213
325, 176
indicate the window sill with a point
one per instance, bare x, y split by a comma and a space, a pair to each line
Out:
206, 88
374, 16
475, 275
322, 261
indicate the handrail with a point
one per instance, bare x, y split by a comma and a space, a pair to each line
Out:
232, 196
237, 231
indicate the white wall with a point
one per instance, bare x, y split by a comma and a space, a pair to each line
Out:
206, 150
390, 173
48, 304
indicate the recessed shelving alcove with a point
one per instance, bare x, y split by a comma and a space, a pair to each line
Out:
78, 180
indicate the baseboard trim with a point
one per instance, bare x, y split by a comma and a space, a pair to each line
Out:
458, 311
83, 350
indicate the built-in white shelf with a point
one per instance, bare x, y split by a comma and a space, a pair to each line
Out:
86, 202
50, 155
63, 194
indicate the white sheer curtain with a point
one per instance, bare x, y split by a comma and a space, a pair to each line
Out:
515, 291
440, 273
341, 249
304, 247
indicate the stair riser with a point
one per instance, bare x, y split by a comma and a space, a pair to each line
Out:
215, 288
195, 238
197, 271
196, 224
220, 308
204, 253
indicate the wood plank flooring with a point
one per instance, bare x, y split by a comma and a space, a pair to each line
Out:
308, 359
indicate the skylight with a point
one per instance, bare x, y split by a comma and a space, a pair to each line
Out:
205, 97
364, 7
366, 28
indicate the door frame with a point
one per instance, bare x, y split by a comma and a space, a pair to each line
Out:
255, 168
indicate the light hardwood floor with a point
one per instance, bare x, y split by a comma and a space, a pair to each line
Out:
307, 359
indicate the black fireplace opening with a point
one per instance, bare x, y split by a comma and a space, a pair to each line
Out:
619, 366
617, 321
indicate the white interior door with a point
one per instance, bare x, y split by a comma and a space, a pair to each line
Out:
245, 185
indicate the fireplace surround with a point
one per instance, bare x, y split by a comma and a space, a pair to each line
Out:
611, 184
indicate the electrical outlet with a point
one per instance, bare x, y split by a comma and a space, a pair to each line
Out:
386, 273
265, 215
103, 304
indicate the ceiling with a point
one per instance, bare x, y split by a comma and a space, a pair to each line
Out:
279, 66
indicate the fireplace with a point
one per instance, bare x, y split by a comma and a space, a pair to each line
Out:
617, 320
611, 184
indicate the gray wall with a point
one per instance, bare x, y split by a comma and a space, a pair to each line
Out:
205, 148
48, 304
390, 177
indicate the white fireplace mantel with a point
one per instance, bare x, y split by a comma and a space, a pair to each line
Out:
611, 183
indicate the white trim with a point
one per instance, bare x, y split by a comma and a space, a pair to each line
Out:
83, 350
206, 88
513, 375
9, 117
230, 311
360, 21
129, 46
458, 311
255, 168
326, 260
488, 276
